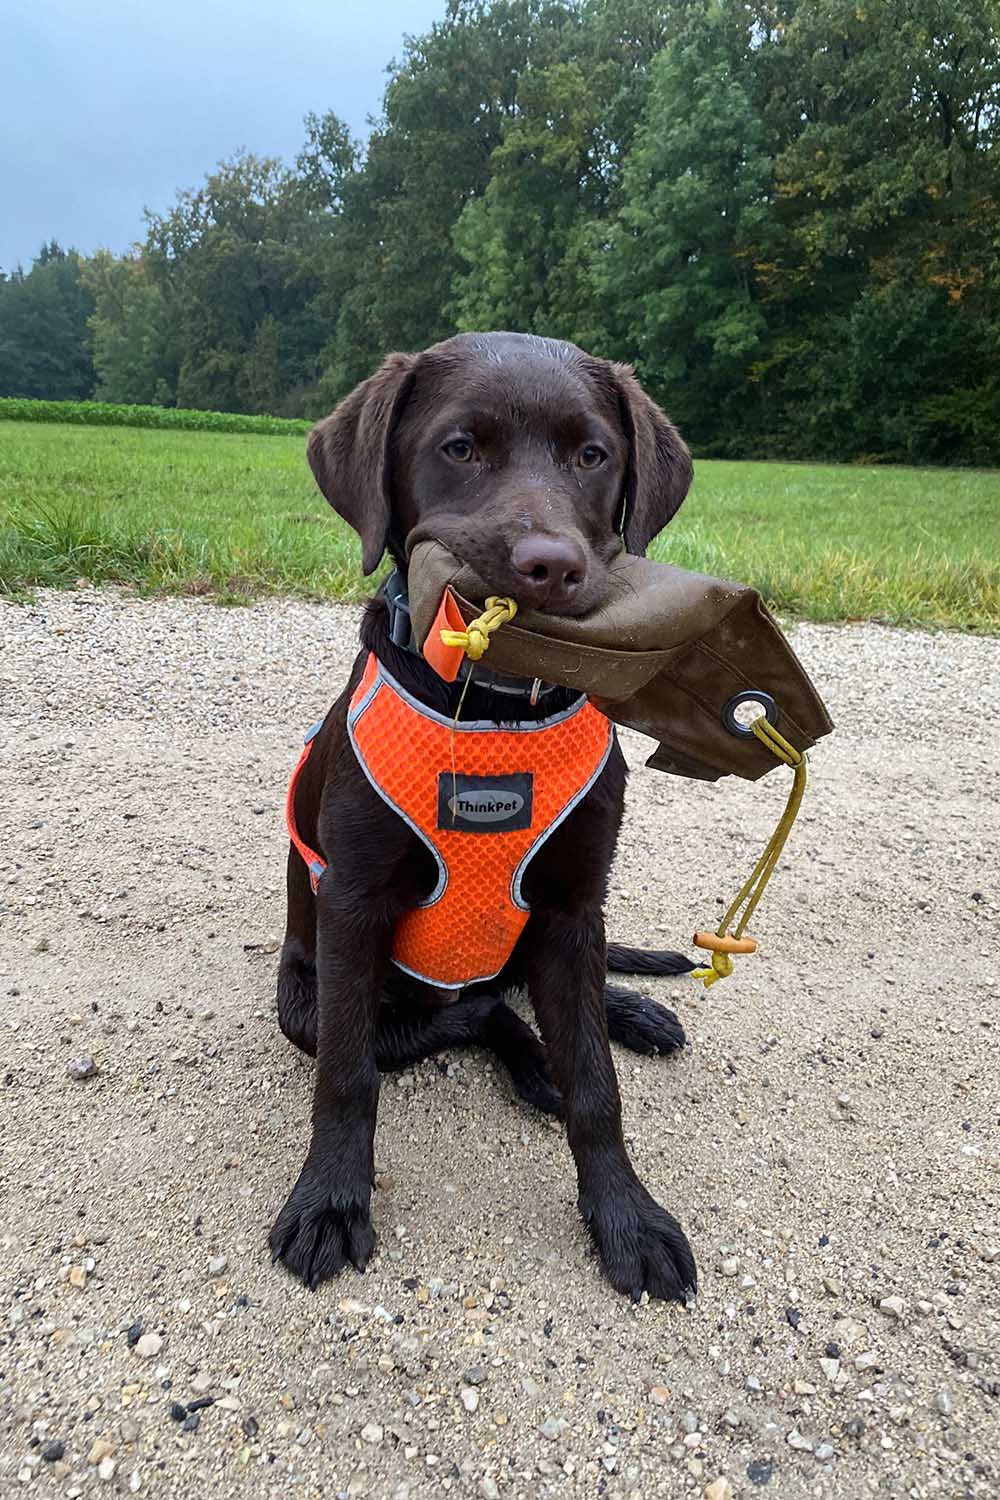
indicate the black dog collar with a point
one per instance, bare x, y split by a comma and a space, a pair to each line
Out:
401, 634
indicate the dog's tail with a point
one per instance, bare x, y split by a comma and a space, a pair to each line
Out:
622, 960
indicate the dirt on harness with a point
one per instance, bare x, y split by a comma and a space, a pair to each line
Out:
830, 1136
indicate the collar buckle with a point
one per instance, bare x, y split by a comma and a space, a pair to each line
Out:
398, 602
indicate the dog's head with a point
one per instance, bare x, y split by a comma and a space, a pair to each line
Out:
526, 457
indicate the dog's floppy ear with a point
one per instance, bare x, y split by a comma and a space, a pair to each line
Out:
659, 467
349, 453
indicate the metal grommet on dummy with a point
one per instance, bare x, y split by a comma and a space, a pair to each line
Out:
743, 731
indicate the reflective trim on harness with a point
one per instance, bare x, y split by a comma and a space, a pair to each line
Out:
314, 862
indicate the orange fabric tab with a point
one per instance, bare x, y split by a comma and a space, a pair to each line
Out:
446, 660
483, 798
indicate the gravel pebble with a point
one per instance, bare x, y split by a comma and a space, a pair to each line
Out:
79, 1068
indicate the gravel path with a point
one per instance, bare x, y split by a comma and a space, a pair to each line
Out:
829, 1138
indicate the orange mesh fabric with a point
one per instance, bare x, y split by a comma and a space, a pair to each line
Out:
467, 929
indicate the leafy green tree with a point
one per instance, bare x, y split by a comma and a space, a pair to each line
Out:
619, 43
134, 343
877, 265
228, 257
429, 155
260, 377
674, 268
44, 339
327, 160
517, 238
556, 175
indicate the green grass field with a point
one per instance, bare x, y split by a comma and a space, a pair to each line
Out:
235, 515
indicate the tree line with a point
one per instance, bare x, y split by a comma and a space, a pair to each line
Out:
784, 215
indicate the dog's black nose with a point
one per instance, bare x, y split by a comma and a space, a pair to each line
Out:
552, 568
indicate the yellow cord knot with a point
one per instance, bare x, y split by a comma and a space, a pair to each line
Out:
720, 968
475, 639
722, 946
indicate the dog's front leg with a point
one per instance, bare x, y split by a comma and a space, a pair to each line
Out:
641, 1246
326, 1221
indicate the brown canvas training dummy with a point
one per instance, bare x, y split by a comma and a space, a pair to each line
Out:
672, 654
665, 655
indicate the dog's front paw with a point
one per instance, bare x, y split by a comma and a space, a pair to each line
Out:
642, 1247
324, 1226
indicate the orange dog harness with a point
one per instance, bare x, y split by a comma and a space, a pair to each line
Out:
483, 798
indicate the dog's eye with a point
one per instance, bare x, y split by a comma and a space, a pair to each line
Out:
591, 457
459, 449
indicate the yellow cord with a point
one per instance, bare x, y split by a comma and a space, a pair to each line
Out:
475, 639
721, 964
451, 746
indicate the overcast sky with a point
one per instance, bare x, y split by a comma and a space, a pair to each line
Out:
108, 106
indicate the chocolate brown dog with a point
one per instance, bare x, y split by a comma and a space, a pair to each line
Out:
531, 460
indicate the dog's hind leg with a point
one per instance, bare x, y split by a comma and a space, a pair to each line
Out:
640, 1023
297, 970
523, 1055
404, 1036
297, 997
